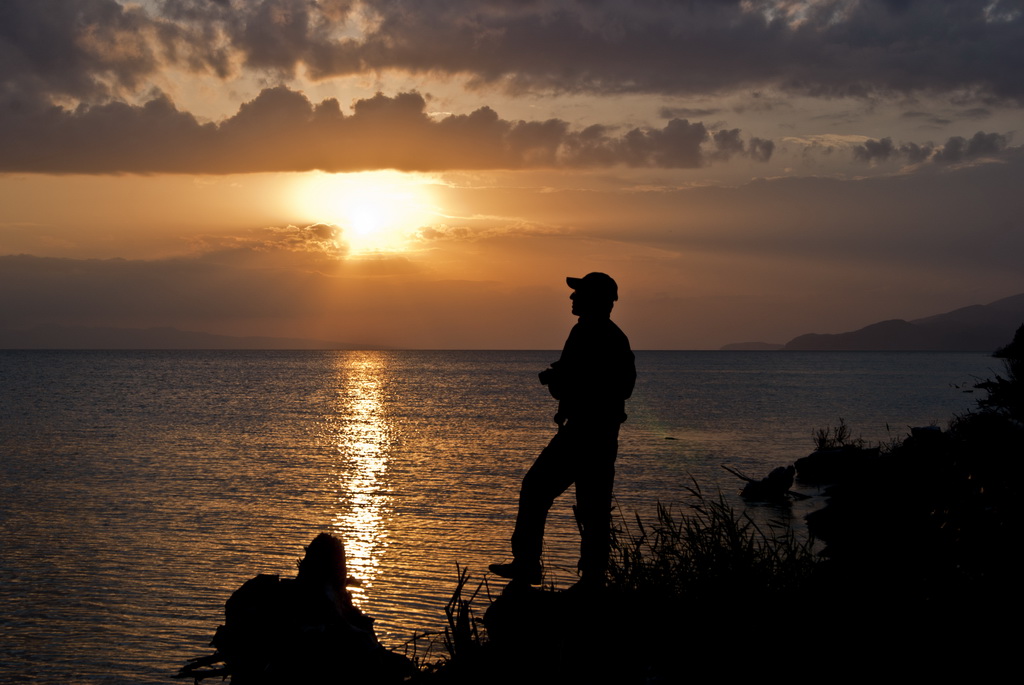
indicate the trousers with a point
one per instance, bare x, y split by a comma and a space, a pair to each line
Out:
582, 453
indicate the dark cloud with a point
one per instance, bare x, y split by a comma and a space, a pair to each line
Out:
67, 48
824, 48
92, 48
761, 150
956, 149
281, 130
875, 150
915, 153
677, 145
728, 143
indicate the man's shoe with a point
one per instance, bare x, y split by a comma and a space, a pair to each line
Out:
526, 573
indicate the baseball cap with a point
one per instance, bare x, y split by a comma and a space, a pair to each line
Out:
596, 284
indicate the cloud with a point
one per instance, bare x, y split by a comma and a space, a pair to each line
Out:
491, 227
932, 119
948, 117
761, 149
687, 112
729, 143
794, 246
826, 48
313, 238
92, 49
281, 130
66, 48
316, 247
956, 149
875, 150
77, 77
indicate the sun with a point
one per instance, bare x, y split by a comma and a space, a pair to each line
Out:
378, 211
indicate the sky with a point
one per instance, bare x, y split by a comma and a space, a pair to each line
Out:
426, 174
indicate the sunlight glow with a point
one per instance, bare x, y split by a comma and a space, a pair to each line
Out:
363, 442
377, 210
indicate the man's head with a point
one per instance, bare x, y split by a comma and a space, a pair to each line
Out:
595, 293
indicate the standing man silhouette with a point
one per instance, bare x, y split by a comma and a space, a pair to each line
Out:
591, 381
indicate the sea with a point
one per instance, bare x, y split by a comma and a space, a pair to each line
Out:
139, 489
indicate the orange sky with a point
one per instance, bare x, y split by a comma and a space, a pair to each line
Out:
424, 175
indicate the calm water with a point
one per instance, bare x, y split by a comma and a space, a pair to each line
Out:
138, 489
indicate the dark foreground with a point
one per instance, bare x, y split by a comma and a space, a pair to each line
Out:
917, 578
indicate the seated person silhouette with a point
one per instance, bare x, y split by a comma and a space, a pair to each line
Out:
591, 380
304, 629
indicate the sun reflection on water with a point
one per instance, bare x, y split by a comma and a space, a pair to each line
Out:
363, 436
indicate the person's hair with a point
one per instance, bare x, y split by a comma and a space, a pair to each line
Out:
324, 561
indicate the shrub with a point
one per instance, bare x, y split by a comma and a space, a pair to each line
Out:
709, 554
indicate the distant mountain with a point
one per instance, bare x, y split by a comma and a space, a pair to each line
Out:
55, 337
977, 328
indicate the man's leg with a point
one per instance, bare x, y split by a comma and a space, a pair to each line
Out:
551, 475
594, 502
